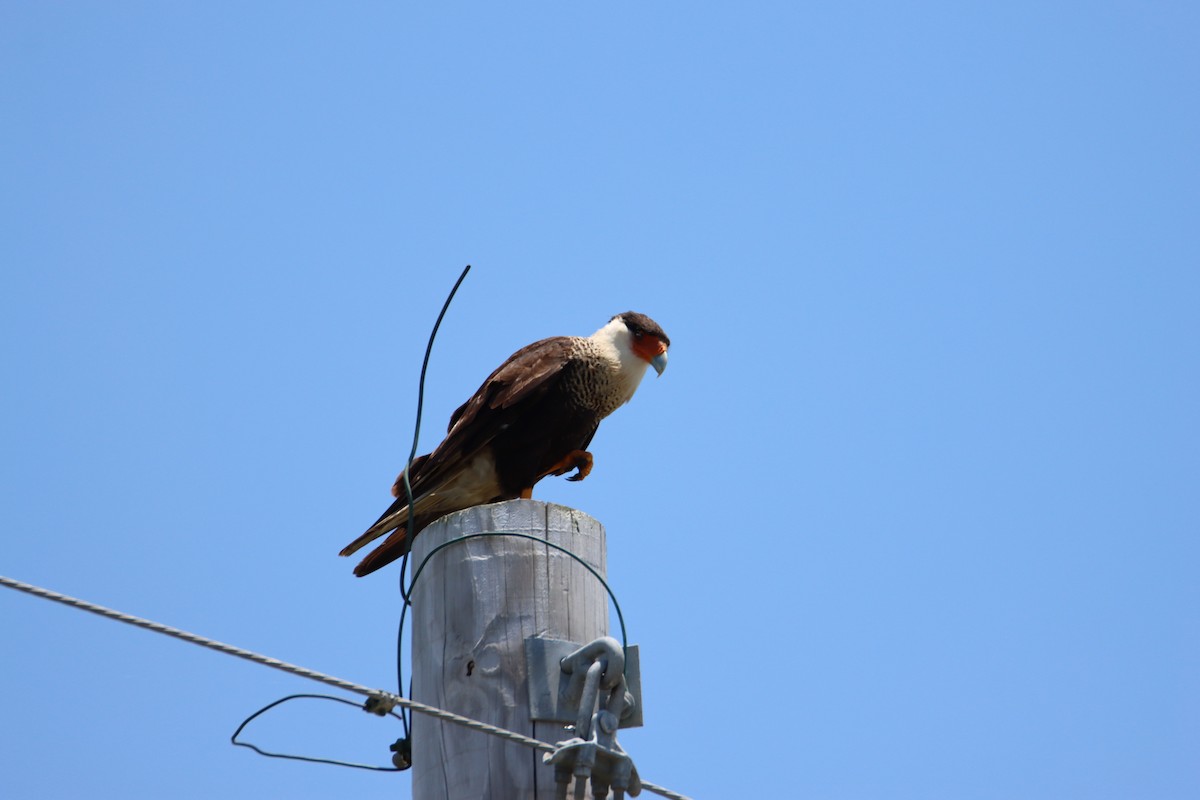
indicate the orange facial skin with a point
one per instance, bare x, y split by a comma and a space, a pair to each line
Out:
647, 347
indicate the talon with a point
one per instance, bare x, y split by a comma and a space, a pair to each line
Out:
580, 460
583, 465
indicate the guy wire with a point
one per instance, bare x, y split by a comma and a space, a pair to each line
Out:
383, 699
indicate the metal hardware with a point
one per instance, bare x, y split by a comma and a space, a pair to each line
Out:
553, 693
596, 698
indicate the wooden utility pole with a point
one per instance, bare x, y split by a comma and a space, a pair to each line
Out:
474, 604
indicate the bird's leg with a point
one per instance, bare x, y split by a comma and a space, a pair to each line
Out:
527, 494
580, 460
583, 463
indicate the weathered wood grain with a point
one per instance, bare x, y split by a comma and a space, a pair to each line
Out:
474, 604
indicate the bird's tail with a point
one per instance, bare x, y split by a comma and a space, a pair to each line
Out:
397, 521
397, 513
392, 548
395, 517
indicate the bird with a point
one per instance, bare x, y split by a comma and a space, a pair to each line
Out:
533, 417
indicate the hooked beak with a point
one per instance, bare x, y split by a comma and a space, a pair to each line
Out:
659, 362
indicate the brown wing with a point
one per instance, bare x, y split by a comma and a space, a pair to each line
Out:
525, 377
530, 369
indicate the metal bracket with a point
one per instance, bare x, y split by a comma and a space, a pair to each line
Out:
588, 686
555, 695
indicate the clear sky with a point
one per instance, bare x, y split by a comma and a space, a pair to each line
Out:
912, 514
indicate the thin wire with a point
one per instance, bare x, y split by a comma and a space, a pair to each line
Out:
386, 699
518, 535
408, 494
186, 636
311, 759
412, 454
421, 385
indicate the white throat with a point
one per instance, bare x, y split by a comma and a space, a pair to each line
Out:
615, 343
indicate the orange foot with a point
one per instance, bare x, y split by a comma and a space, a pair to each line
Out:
580, 460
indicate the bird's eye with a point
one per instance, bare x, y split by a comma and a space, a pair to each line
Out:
637, 334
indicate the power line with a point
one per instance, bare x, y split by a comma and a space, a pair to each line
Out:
383, 702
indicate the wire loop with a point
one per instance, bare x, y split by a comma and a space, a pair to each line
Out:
310, 759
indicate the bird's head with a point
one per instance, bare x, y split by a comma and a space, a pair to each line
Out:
646, 339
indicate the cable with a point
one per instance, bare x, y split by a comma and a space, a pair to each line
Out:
234, 738
384, 701
203, 641
519, 535
421, 384
408, 495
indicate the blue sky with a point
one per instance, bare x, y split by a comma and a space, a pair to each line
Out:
912, 514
